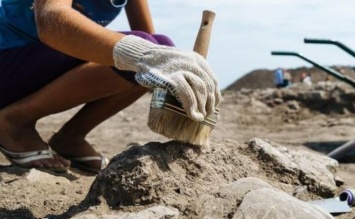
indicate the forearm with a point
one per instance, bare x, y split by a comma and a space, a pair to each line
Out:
138, 15
68, 31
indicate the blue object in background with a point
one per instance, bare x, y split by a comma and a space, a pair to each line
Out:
279, 77
348, 195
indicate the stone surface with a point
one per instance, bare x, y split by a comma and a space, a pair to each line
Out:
36, 176
269, 203
300, 167
156, 212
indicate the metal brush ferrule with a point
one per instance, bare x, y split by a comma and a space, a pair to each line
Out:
162, 99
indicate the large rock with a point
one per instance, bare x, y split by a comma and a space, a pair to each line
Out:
156, 212
171, 173
237, 190
205, 183
300, 167
270, 203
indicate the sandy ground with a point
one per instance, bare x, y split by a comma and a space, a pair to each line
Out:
23, 197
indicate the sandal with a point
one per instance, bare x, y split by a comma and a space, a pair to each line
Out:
22, 159
81, 163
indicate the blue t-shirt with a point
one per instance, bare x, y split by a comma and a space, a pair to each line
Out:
18, 27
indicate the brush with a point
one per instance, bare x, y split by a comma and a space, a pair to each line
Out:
167, 116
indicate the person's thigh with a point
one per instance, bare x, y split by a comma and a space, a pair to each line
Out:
27, 69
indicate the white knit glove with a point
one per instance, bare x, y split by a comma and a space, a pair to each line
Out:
185, 74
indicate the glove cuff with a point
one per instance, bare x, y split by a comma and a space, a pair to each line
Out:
128, 51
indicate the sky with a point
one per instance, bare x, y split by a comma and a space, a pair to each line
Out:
245, 32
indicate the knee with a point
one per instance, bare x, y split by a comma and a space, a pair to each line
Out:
154, 38
143, 35
163, 40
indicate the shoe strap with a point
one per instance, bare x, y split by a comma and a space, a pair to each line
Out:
32, 158
104, 160
25, 157
26, 154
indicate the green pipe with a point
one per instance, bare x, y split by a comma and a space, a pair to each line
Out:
328, 70
334, 42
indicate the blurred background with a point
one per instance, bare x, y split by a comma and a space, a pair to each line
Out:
246, 31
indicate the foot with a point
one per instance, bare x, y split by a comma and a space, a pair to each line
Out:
17, 138
76, 149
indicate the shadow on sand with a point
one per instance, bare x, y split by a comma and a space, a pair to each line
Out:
326, 147
22, 213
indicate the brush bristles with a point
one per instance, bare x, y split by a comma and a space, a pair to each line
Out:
178, 127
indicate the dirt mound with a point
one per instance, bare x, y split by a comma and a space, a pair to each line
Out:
191, 180
264, 78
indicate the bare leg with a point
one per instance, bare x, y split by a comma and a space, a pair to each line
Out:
87, 83
70, 139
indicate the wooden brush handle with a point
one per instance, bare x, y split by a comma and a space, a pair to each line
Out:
204, 34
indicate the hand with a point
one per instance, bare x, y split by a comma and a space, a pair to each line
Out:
185, 74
